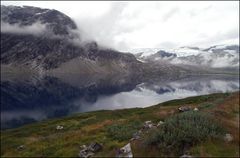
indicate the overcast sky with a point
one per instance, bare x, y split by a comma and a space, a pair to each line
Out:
139, 24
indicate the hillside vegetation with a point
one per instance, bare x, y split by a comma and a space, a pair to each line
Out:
200, 132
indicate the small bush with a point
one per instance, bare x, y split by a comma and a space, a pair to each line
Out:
184, 130
123, 132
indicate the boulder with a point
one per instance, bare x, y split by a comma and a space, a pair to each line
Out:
186, 156
83, 146
228, 137
195, 109
148, 125
95, 147
160, 123
89, 151
184, 108
125, 151
148, 122
21, 147
85, 153
59, 127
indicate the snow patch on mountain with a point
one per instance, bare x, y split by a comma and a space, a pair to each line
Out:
144, 52
180, 52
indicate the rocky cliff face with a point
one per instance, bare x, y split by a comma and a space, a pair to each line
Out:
56, 47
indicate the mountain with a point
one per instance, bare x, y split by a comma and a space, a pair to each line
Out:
55, 21
219, 56
48, 41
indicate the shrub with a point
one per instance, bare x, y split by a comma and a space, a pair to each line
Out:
123, 132
184, 130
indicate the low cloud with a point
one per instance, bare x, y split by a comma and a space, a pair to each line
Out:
40, 29
103, 29
34, 29
167, 45
127, 25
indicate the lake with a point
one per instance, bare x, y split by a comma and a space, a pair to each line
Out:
28, 99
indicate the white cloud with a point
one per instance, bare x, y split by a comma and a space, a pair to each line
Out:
124, 25
36, 28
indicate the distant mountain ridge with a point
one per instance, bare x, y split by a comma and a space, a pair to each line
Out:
217, 56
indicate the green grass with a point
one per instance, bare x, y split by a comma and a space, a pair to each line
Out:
123, 131
216, 148
206, 105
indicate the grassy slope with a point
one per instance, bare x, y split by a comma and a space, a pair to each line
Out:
42, 139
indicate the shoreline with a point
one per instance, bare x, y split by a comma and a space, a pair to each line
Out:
104, 110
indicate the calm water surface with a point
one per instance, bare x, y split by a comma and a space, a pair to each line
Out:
30, 99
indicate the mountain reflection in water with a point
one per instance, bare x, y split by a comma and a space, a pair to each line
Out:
31, 99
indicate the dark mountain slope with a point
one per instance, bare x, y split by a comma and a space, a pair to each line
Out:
58, 46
